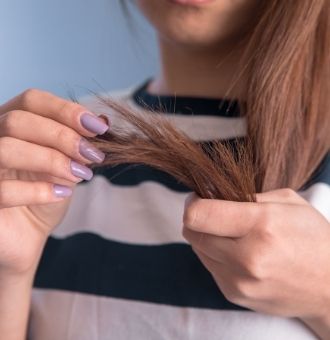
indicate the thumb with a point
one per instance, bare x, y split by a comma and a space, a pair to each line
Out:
219, 217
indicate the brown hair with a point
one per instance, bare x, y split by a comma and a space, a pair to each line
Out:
287, 65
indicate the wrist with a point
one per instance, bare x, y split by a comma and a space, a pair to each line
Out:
15, 299
10, 278
20, 268
21, 260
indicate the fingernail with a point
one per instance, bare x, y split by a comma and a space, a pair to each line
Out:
105, 119
93, 124
62, 191
81, 171
90, 152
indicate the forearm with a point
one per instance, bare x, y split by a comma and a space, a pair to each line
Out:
15, 297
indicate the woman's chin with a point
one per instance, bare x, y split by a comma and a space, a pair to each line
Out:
191, 2
198, 23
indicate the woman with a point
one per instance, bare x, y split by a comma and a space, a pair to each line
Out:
117, 265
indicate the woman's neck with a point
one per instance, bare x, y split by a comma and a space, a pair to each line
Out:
200, 73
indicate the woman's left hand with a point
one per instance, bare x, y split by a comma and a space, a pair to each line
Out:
272, 256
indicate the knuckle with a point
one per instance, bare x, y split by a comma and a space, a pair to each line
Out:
70, 109
287, 193
55, 162
3, 191
29, 96
266, 215
266, 235
266, 232
255, 266
10, 122
43, 193
197, 212
231, 289
232, 296
189, 216
4, 149
64, 136
242, 288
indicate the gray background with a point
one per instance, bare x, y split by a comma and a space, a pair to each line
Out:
73, 45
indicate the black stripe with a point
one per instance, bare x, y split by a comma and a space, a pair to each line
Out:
185, 105
169, 274
130, 175
134, 174
321, 174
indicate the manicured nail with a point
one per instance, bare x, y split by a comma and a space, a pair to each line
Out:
93, 124
81, 171
62, 191
90, 152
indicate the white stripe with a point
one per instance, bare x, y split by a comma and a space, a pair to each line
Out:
318, 195
197, 127
64, 315
206, 127
148, 213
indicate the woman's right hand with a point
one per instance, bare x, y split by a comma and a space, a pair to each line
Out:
42, 152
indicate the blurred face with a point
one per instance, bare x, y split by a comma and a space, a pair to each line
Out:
199, 23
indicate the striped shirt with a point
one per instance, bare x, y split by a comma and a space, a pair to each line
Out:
117, 266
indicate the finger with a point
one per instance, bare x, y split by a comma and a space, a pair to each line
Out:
285, 195
220, 218
21, 155
239, 255
63, 111
214, 266
34, 177
17, 193
237, 287
50, 133
209, 263
220, 249
222, 274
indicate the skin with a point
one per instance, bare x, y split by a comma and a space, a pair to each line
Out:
29, 211
263, 257
193, 47
199, 45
